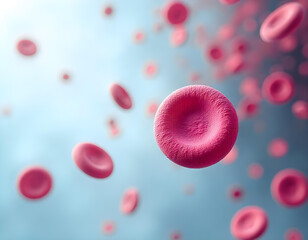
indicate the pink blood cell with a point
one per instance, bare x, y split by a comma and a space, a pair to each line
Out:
178, 36
225, 32
282, 22
300, 109
175, 236
176, 12
235, 63
26, 47
303, 69
34, 182
250, 88
215, 53
92, 160
240, 45
249, 223
150, 69
139, 37
196, 126
229, 2
152, 108
194, 77
293, 234
120, 96
201, 35
231, 156
108, 10
248, 107
288, 44
278, 88
129, 201
278, 148
235, 193
289, 188
114, 129
108, 227
255, 170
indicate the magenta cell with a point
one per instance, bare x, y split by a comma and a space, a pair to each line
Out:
229, 2
92, 160
255, 171
278, 148
175, 236
129, 201
108, 11
293, 234
248, 107
176, 12
289, 188
236, 193
178, 36
249, 223
240, 45
282, 22
300, 109
26, 47
278, 88
120, 96
196, 126
34, 182
288, 44
215, 53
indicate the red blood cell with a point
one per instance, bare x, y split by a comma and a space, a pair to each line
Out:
248, 107
129, 201
108, 227
196, 126
26, 47
236, 193
300, 109
120, 96
175, 236
288, 44
229, 2
114, 129
139, 37
34, 182
215, 53
176, 12
152, 108
282, 22
150, 69
178, 36
255, 170
303, 69
240, 45
289, 188
235, 63
278, 148
249, 223
278, 88
226, 32
92, 160
194, 77
108, 10
200, 37
250, 88
231, 156
293, 234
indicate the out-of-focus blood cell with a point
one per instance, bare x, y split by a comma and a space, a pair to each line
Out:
178, 36
289, 188
235, 193
194, 77
235, 63
240, 45
249, 223
34, 182
129, 201
278, 148
108, 10
120, 96
114, 129
175, 236
231, 156
152, 108
282, 22
66, 77
248, 107
150, 69
108, 227
6, 111
255, 170
250, 24
278, 88
288, 44
139, 37
303, 69
92, 160
215, 53
300, 109
158, 27
196, 126
176, 12
26, 47
293, 234
250, 88
229, 2
225, 32
200, 37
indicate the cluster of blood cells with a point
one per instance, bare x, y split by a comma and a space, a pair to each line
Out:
197, 126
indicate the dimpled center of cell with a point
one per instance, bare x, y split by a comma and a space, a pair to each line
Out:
36, 181
276, 88
246, 222
289, 187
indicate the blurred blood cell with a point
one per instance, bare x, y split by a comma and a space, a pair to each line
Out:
278, 148
175, 236
300, 109
120, 96
235, 193
231, 156
225, 32
178, 36
26, 47
289, 188
248, 107
288, 44
250, 88
194, 77
293, 234
278, 88
114, 129
176, 12
129, 201
108, 10
150, 69
282, 22
229, 2
250, 24
34, 182
139, 37
152, 108
303, 69
196, 126
200, 37
108, 227
240, 45
235, 63
92, 160
249, 223
255, 170
215, 53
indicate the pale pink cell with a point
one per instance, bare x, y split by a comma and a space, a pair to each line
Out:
231, 156
250, 88
114, 129
108, 10
282, 22
150, 69
248, 107
278, 148
139, 37
200, 35
178, 36
215, 52
176, 12
235, 63
120, 96
92, 160
108, 227
129, 201
303, 69
196, 126
229, 2
34, 182
249, 223
289, 188
293, 234
195, 77
255, 171
278, 88
300, 109
226, 32
151, 108
26, 47
236, 193
175, 236
288, 44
